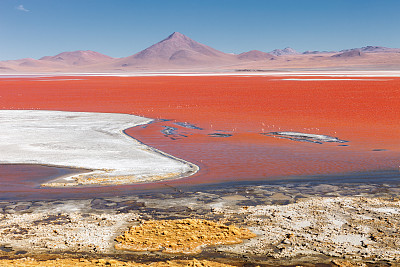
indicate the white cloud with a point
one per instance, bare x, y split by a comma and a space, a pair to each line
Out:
22, 8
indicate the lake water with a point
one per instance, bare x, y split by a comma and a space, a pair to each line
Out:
219, 123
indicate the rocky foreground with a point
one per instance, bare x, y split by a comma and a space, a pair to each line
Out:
107, 262
277, 229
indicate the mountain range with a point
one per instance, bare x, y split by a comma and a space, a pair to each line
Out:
179, 52
374, 49
286, 51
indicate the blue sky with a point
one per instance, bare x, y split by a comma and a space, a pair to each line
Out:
118, 28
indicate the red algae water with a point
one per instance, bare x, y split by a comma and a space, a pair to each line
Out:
217, 122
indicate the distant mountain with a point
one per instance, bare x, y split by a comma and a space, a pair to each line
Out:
5, 68
283, 52
27, 62
309, 52
79, 57
31, 64
255, 55
178, 52
374, 49
176, 49
349, 54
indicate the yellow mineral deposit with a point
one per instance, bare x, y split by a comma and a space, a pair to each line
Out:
180, 236
81, 180
27, 262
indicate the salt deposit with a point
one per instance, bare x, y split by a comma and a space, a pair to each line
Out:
91, 141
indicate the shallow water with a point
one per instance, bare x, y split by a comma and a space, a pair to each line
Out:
216, 123
27, 176
252, 156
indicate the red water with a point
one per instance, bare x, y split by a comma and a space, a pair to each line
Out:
365, 113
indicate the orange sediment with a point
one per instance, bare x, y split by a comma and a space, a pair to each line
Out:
180, 236
26, 262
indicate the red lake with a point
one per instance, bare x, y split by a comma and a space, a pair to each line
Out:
227, 125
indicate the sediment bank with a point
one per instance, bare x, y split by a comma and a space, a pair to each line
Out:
323, 227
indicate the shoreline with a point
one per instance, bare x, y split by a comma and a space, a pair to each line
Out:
83, 140
68, 181
292, 72
354, 181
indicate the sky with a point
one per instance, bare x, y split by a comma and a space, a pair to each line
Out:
120, 28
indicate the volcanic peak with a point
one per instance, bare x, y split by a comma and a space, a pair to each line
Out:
177, 35
174, 43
